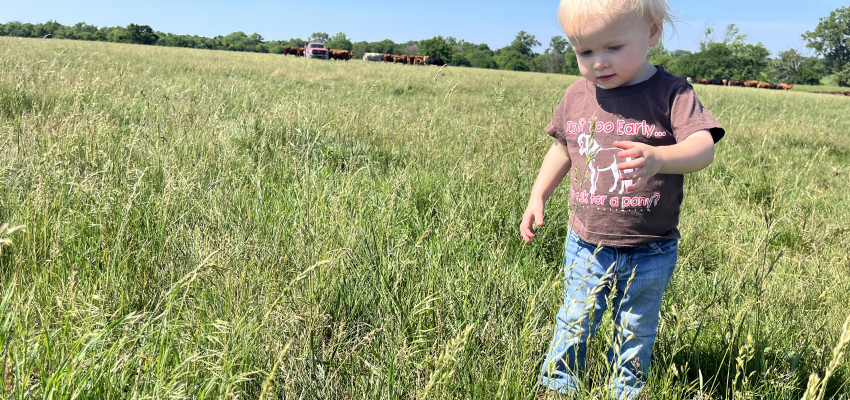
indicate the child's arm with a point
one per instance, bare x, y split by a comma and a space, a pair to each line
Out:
693, 154
556, 165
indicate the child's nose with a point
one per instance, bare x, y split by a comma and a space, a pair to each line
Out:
600, 63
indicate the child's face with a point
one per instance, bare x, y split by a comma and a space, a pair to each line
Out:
611, 49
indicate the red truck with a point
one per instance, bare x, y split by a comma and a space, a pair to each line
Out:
315, 50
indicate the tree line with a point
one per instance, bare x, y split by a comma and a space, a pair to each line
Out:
728, 57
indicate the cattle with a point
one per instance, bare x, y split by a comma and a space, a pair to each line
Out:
715, 82
399, 60
410, 60
734, 82
725, 82
388, 58
763, 85
751, 83
690, 81
434, 61
295, 51
339, 54
702, 81
845, 93
378, 57
784, 86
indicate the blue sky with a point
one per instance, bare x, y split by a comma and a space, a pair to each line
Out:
778, 23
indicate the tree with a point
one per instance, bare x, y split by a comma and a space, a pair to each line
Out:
320, 37
517, 64
750, 60
524, 42
571, 62
680, 53
788, 65
459, 60
842, 78
411, 49
656, 50
733, 36
360, 48
558, 44
481, 58
339, 41
718, 61
554, 59
707, 38
553, 62
297, 42
831, 39
385, 46
436, 46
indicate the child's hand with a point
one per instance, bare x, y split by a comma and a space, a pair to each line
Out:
644, 163
532, 217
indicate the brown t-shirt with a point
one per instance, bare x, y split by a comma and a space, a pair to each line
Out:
661, 111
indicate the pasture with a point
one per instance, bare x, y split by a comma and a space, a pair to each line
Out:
203, 224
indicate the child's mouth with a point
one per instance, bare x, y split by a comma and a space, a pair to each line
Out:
606, 78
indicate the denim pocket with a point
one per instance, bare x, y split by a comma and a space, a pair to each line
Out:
663, 246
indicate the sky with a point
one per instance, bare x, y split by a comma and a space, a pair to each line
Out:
777, 23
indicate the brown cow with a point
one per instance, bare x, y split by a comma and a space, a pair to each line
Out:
295, 51
702, 81
388, 58
751, 83
399, 60
434, 60
763, 85
734, 82
725, 82
335, 54
784, 86
410, 59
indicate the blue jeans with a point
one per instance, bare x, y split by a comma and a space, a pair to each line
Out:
638, 277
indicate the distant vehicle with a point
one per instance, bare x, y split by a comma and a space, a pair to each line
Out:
316, 50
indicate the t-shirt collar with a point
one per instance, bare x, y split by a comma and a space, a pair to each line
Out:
628, 90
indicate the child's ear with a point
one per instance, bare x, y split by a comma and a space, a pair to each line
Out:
654, 34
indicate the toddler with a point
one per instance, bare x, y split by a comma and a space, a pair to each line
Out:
626, 133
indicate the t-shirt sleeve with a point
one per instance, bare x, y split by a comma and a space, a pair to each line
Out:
556, 127
688, 116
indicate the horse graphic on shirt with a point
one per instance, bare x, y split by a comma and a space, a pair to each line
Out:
601, 160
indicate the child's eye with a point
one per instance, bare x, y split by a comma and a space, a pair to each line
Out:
586, 53
615, 48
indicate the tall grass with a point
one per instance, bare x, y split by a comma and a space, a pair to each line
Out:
224, 225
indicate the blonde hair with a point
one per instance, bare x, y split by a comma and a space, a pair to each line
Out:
573, 14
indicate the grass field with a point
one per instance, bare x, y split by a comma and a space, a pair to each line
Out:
819, 88
229, 225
